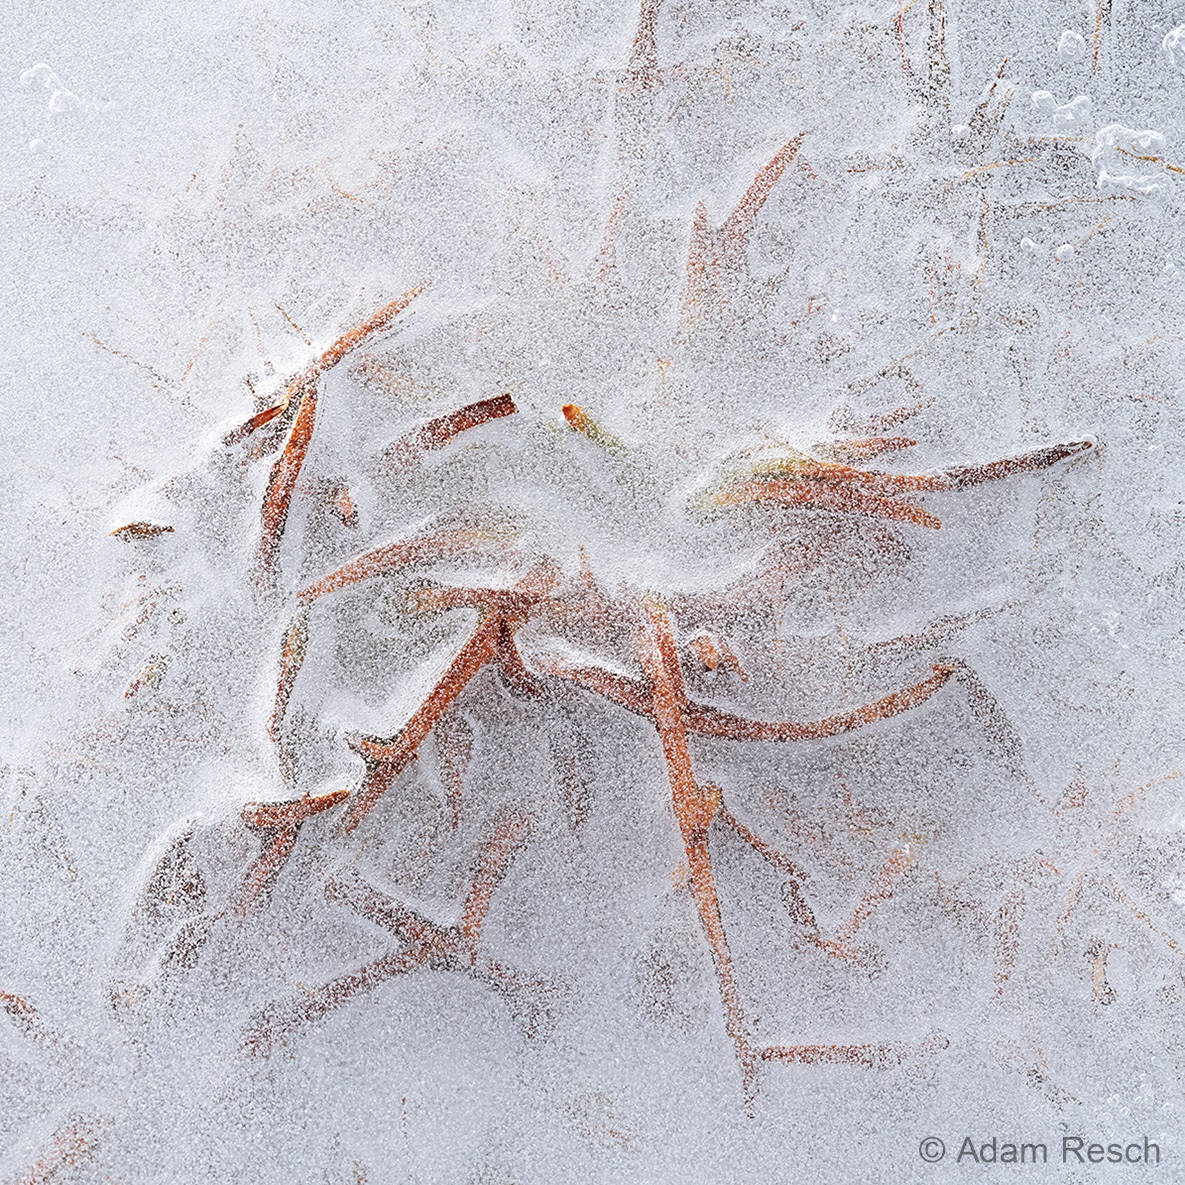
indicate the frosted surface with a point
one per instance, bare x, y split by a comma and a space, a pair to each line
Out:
759, 749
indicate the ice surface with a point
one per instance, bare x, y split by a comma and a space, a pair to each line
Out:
657, 704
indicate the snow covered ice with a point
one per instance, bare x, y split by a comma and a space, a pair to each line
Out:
594, 591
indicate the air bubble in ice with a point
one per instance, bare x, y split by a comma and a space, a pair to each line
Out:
39, 74
1074, 113
63, 100
1066, 115
1173, 48
1125, 158
1071, 46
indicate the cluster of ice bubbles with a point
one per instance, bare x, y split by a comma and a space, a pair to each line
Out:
1132, 160
61, 100
1073, 114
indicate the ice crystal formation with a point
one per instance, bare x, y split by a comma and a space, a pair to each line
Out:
632, 588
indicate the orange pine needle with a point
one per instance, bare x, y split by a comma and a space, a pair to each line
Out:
597, 608
392, 557
965, 476
740, 222
879, 423
406, 924
862, 449
141, 530
990, 714
259, 420
285, 472
438, 432
879, 891
1007, 944
280, 824
872, 1057
643, 64
282, 481
800, 910
510, 661
452, 948
268, 816
1110, 886
376, 323
718, 723
292, 655
434, 598
884, 482
812, 495
277, 1021
343, 506
505, 837
73, 1145
265, 870
619, 689
935, 632
580, 421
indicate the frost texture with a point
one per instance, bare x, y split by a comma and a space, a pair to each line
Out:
686, 690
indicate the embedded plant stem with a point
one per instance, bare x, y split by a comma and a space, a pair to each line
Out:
710, 721
393, 557
292, 655
491, 640
825, 496
285, 472
386, 759
694, 810
278, 823
880, 890
282, 481
873, 1057
965, 476
73, 1145
428, 945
